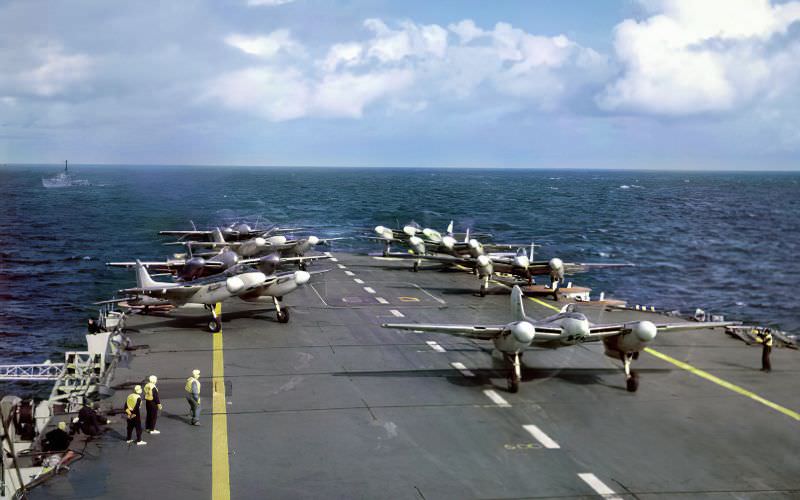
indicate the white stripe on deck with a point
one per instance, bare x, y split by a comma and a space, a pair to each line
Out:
381, 300
342, 266
369, 289
540, 436
463, 369
435, 346
599, 486
359, 281
349, 273
397, 313
496, 398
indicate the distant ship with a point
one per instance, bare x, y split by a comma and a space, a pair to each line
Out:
64, 179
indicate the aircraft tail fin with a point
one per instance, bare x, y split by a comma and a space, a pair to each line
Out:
530, 257
143, 279
517, 309
450, 228
218, 238
466, 236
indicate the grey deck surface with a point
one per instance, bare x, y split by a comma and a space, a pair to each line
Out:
331, 405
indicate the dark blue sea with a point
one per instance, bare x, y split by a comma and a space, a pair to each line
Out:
724, 242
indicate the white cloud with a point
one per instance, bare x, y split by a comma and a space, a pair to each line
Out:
267, 3
692, 57
43, 69
275, 94
265, 46
415, 63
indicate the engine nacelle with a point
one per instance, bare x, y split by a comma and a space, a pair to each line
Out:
484, 266
276, 240
417, 245
449, 242
278, 289
475, 247
384, 232
522, 261
234, 285
410, 230
516, 337
432, 235
634, 338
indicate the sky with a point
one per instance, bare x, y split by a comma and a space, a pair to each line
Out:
669, 84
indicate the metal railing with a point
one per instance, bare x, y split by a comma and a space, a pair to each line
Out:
41, 371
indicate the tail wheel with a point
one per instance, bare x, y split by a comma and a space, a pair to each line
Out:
283, 316
415, 268
483, 291
214, 326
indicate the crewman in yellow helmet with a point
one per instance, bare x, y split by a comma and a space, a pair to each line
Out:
193, 396
132, 410
152, 404
764, 337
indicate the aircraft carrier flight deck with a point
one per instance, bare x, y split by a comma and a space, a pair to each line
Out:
331, 405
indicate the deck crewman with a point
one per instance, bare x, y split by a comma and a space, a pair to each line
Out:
152, 404
765, 338
193, 396
133, 411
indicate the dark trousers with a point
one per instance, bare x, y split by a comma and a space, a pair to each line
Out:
152, 415
135, 422
765, 364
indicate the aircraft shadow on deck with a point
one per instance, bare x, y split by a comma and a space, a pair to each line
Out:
200, 321
485, 376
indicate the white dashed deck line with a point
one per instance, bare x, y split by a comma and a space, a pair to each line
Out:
349, 273
435, 346
342, 266
496, 398
599, 486
540, 436
369, 289
359, 281
463, 369
397, 313
381, 300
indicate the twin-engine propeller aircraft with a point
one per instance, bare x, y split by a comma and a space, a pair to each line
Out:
260, 245
520, 266
622, 341
249, 286
195, 267
426, 235
236, 231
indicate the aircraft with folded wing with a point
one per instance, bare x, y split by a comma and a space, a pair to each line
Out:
623, 341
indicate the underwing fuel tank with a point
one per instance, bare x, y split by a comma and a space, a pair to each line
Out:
278, 289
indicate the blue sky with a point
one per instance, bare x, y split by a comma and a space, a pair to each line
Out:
626, 84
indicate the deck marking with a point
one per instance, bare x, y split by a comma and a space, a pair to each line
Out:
463, 369
334, 259
359, 281
342, 266
397, 313
220, 468
496, 398
369, 289
540, 436
349, 273
408, 299
723, 383
435, 346
599, 486
381, 300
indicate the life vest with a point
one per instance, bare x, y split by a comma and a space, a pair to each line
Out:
189, 382
130, 403
148, 391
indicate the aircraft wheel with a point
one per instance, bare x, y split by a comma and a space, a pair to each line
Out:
283, 316
415, 267
632, 383
214, 326
513, 386
483, 291
303, 266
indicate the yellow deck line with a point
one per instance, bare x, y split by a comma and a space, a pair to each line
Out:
220, 469
724, 383
704, 374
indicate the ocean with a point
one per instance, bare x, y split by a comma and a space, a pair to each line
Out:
726, 242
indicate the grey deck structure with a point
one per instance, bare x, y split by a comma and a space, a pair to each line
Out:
331, 405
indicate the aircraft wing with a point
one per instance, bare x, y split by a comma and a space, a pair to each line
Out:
186, 233
210, 244
177, 293
483, 332
446, 259
581, 267
598, 332
158, 266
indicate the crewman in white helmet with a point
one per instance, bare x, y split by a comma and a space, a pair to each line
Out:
193, 396
133, 405
152, 404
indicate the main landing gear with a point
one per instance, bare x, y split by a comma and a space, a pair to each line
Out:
631, 377
215, 325
282, 313
484, 286
514, 378
415, 267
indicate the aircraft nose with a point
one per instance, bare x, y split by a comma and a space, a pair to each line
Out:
556, 264
523, 332
521, 261
261, 242
483, 260
313, 240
